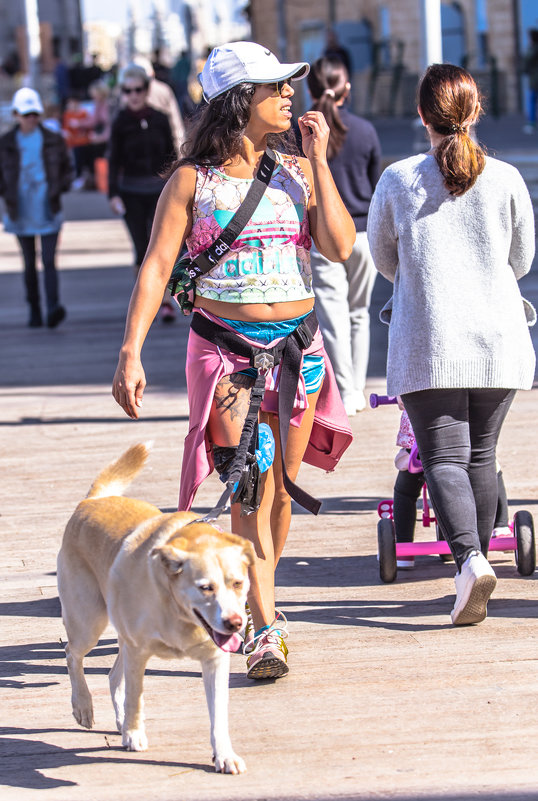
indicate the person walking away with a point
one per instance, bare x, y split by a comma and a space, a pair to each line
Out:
530, 67
35, 169
249, 96
141, 149
344, 289
180, 84
453, 229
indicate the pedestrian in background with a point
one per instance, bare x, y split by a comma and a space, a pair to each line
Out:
76, 126
344, 289
530, 67
141, 148
453, 230
180, 83
35, 168
161, 97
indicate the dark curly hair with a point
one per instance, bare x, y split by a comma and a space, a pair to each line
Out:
215, 133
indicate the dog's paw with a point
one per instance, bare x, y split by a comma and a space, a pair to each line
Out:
230, 763
134, 740
84, 716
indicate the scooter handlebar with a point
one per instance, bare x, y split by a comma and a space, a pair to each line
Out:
381, 400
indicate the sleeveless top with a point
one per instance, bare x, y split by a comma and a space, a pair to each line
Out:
270, 260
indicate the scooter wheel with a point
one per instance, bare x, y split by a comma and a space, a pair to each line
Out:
525, 545
386, 549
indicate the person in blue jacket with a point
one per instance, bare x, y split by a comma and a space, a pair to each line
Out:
35, 168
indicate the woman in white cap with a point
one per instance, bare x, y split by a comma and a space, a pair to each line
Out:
259, 296
35, 168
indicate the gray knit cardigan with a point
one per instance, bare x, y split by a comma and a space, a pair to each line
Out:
457, 317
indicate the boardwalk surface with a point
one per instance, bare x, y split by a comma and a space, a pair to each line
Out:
385, 699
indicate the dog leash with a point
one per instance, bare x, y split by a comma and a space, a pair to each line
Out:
287, 353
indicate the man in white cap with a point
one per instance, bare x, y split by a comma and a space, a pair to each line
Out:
35, 168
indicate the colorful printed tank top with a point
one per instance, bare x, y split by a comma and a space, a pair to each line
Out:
270, 260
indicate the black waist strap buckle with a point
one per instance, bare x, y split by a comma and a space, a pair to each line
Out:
303, 335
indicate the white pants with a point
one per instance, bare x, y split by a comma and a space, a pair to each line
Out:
343, 292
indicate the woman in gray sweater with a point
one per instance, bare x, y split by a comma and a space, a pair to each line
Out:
454, 231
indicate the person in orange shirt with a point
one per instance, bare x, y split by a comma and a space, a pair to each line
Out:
76, 126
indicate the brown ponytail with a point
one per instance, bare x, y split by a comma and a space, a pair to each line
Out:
449, 101
328, 83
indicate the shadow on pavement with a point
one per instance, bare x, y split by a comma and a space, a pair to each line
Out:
23, 759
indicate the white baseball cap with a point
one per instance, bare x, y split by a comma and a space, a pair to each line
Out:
245, 62
27, 101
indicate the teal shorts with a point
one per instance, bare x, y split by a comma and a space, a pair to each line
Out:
313, 368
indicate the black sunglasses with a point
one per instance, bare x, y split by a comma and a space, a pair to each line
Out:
30, 114
278, 86
136, 89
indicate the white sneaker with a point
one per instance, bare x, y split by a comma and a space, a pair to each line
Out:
351, 409
501, 531
406, 563
474, 586
360, 401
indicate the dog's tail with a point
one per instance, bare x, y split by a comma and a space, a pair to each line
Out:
115, 478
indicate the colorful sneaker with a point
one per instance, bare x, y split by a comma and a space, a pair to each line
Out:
474, 586
248, 634
268, 651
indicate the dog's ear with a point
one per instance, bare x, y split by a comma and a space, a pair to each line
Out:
248, 553
172, 558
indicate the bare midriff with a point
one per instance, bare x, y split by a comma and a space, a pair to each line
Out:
256, 312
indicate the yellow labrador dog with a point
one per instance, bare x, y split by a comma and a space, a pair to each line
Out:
170, 586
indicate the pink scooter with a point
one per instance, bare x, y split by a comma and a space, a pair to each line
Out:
522, 541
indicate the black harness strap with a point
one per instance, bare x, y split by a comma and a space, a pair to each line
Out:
287, 353
206, 260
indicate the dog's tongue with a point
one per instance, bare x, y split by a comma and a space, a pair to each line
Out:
227, 642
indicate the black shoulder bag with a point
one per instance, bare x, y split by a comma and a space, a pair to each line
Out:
182, 283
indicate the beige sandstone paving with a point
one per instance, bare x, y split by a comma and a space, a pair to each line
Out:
385, 699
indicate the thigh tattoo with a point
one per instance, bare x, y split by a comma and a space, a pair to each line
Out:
231, 396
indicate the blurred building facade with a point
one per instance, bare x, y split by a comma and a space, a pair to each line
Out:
383, 40
60, 27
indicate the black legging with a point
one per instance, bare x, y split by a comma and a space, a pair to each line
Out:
407, 489
48, 254
456, 432
139, 214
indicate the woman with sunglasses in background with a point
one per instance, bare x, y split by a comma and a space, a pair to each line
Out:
35, 169
141, 148
259, 292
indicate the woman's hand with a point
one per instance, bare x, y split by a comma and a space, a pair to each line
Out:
117, 206
129, 384
315, 135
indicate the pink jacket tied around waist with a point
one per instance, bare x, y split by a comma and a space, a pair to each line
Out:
207, 364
